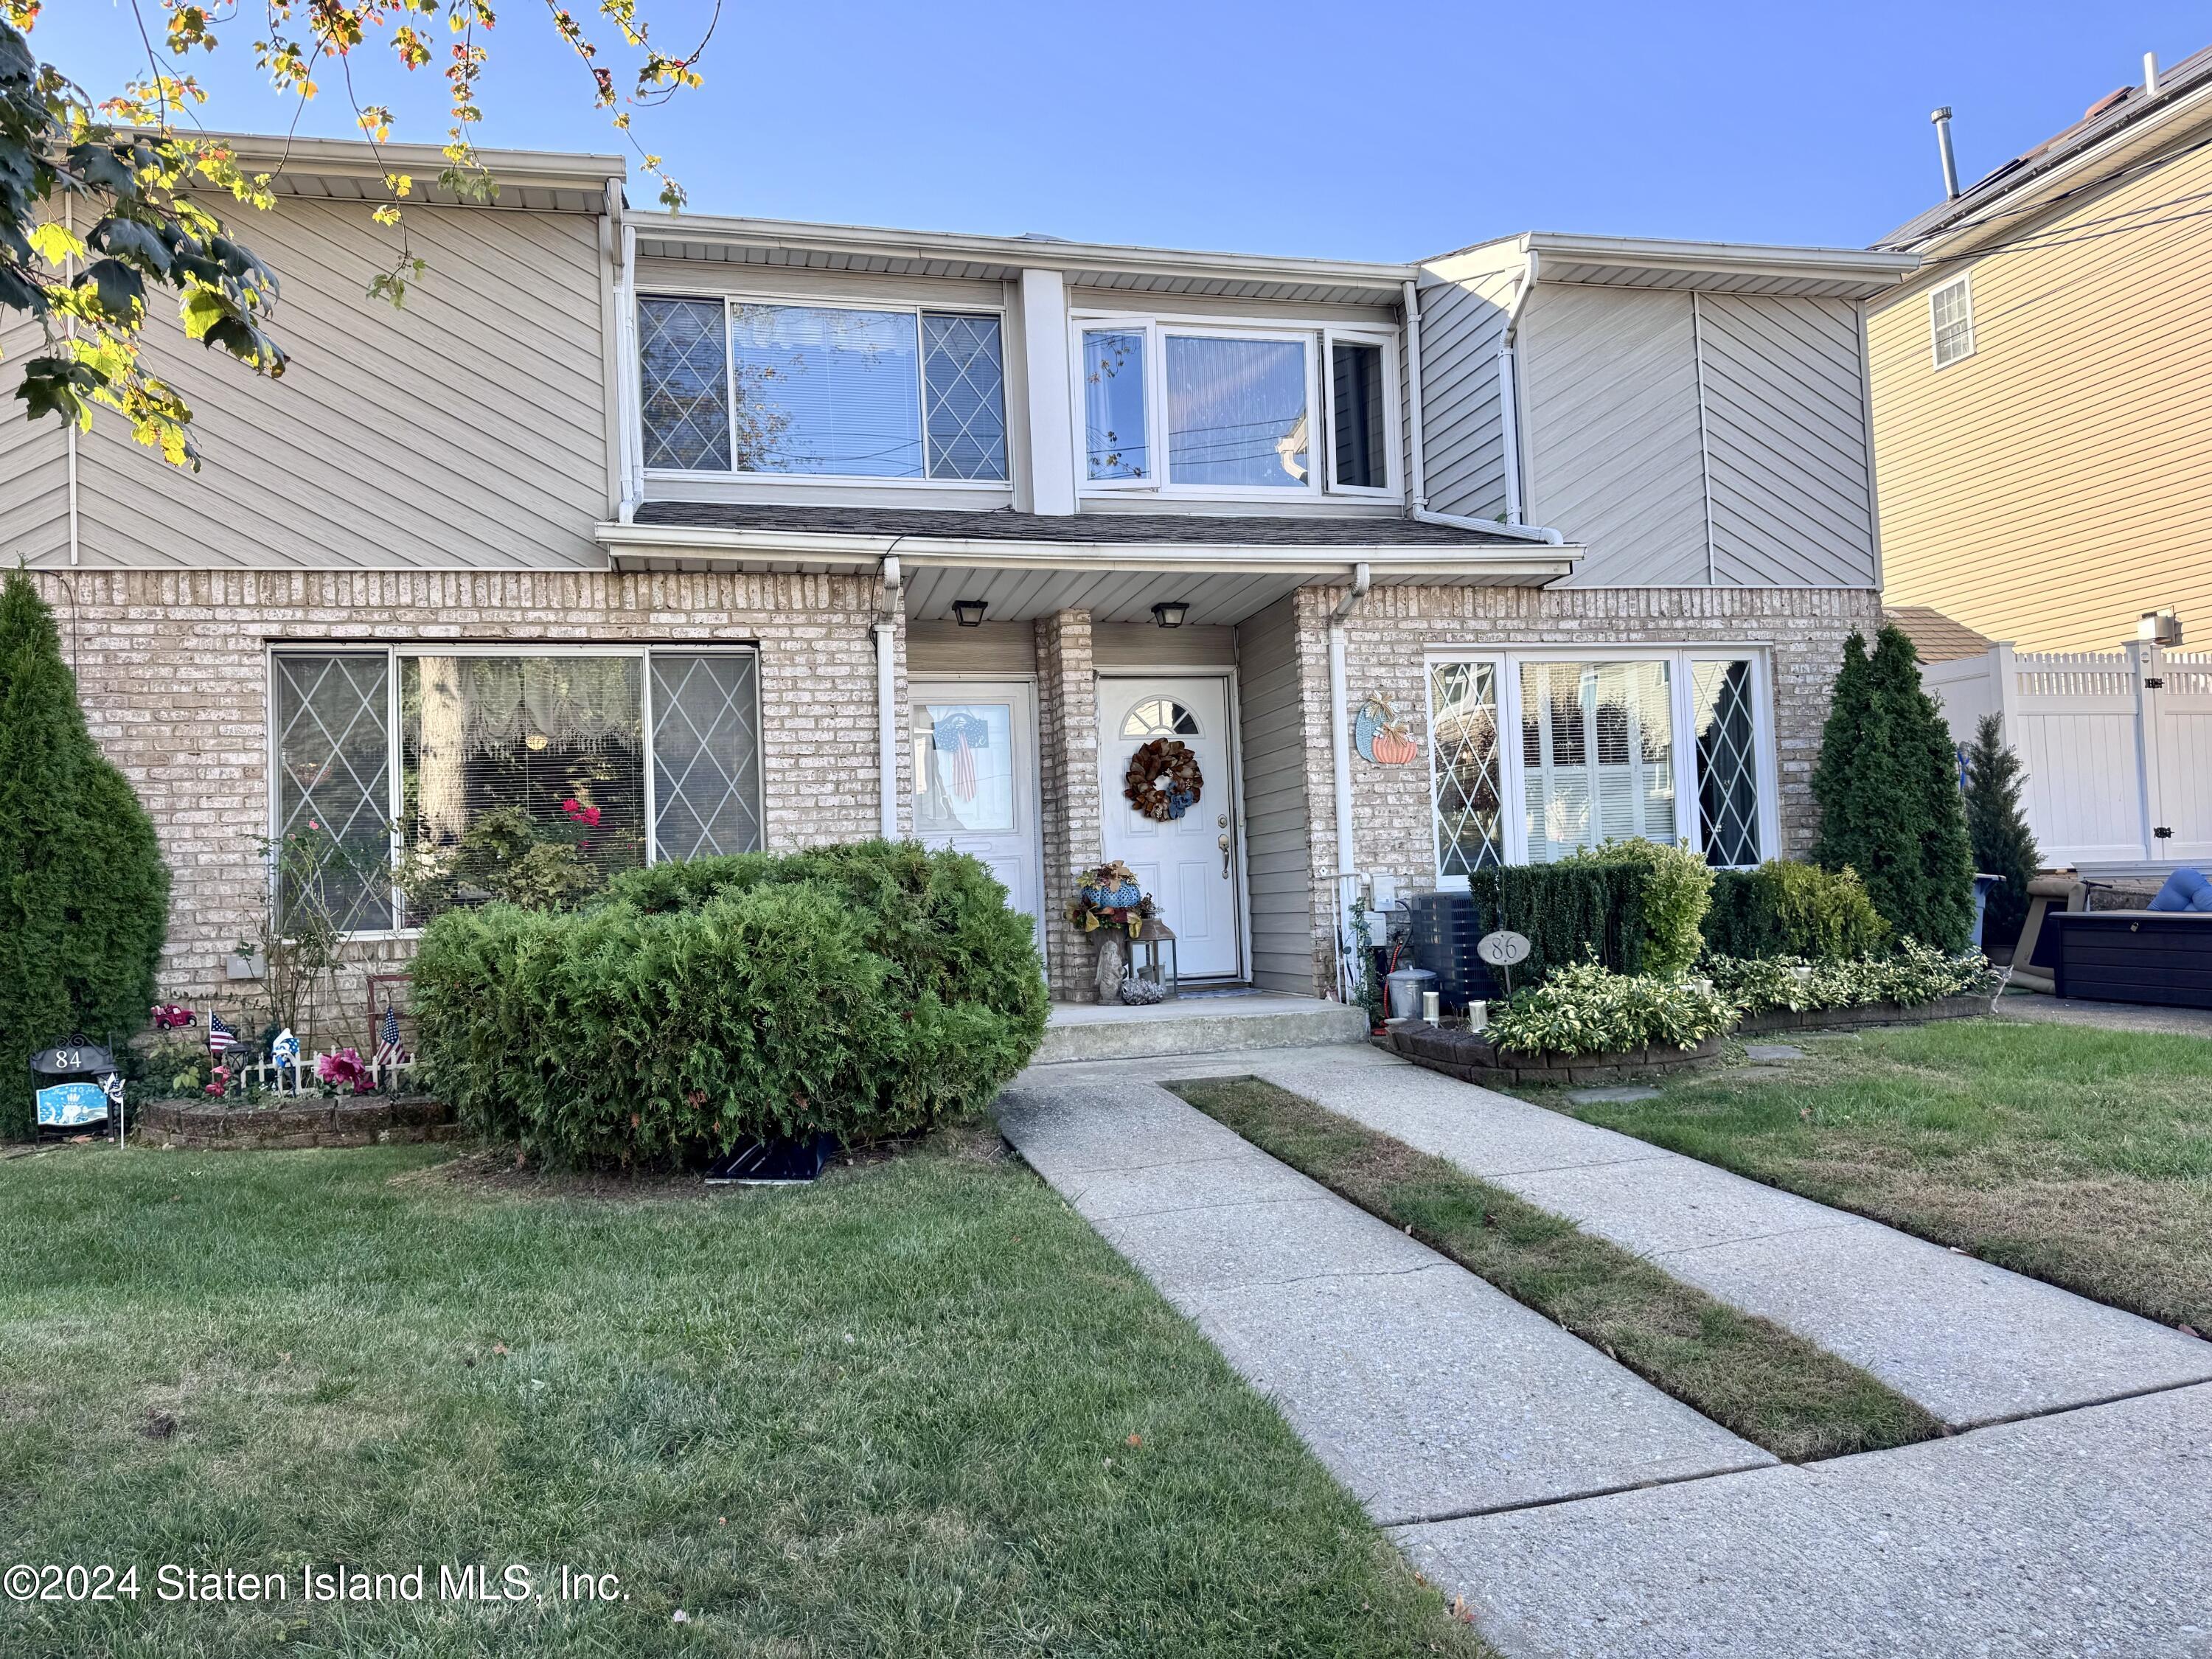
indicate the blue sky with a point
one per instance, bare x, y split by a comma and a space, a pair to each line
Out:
1377, 131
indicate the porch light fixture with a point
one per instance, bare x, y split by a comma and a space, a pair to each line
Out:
1170, 613
970, 612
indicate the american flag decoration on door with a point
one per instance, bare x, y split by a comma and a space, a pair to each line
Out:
956, 736
387, 1039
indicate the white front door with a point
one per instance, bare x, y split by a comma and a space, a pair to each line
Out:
976, 780
1187, 863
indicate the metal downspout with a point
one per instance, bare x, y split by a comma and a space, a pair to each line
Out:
1509, 392
1417, 470
1340, 753
886, 632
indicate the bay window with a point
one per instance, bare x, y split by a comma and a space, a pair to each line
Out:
1659, 746
821, 390
1196, 408
624, 755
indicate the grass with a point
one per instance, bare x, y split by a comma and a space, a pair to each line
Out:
920, 1409
2077, 1155
1775, 1390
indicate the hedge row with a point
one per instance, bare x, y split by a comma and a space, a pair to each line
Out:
1784, 908
861, 991
1566, 910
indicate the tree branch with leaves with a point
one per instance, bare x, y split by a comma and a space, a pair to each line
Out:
108, 206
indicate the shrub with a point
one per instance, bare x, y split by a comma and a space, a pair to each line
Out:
1786, 908
1586, 1010
84, 896
1914, 975
861, 991
1677, 887
1888, 786
1997, 827
1570, 912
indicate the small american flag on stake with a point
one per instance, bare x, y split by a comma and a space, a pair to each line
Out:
221, 1037
387, 1039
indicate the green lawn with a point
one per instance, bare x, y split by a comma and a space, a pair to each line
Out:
920, 1409
2078, 1155
1775, 1390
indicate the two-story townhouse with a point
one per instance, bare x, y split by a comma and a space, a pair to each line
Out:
760, 534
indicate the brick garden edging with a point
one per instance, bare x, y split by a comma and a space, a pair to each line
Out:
191, 1124
1863, 1014
1474, 1059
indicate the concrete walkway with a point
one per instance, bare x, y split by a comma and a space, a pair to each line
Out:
2111, 1016
1972, 1343
1425, 1391
2086, 1533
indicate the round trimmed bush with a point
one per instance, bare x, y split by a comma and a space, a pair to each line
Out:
862, 991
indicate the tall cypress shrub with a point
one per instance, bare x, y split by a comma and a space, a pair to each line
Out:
2003, 845
1887, 785
84, 896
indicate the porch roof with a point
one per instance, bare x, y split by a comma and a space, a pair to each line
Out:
1115, 565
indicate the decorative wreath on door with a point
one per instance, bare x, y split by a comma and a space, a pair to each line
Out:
1162, 781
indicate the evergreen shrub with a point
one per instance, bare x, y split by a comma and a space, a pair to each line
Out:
85, 895
1997, 827
863, 991
1572, 912
1786, 908
1677, 887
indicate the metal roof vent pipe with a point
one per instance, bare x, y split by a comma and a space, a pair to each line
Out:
2150, 74
1941, 118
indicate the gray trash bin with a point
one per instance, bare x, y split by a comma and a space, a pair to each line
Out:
1405, 987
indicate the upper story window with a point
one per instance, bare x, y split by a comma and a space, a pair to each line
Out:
821, 390
1199, 409
1951, 322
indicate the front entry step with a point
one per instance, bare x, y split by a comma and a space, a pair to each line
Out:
1195, 1025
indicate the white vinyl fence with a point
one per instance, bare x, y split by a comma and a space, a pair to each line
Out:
2116, 746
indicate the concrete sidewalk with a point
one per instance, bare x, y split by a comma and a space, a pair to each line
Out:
2085, 1534
1972, 1343
1425, 1391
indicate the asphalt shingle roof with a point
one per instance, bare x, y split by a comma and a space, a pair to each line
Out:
1127, 529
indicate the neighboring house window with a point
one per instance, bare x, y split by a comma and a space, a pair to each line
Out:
1609, 748
1190, 408
821, 390
657, 750
1951, 322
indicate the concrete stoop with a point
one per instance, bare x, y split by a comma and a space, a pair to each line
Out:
1196, 1026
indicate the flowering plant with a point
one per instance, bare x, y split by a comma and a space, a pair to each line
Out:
579, 814
343, 1069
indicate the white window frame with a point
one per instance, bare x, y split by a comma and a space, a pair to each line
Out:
1512, 770
1394, 414
395, 778
1157, 328
1963, 285
816, 302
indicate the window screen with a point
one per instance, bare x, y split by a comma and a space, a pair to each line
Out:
1361, 446
705, 753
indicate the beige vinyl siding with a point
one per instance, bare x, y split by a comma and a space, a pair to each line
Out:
1278, 860
2057, 483
1610, 436
33, 460
467, 429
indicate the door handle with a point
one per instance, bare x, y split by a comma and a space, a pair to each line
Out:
1225, 857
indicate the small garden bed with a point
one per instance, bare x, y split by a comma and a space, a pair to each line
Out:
1766, 1020
369, 1120
1473, 1058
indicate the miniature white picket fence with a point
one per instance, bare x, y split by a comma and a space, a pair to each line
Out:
299, 1077
2116, 746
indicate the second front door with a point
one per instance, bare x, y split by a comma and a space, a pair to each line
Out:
1183, 853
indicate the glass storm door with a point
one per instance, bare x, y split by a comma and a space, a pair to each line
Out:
976, 780
1187, 863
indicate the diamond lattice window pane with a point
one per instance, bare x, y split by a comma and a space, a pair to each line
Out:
1463, 767
333, 784
705, 753
683, 380
965, 395
1728, 766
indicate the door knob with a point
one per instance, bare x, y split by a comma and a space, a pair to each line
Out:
1225, 857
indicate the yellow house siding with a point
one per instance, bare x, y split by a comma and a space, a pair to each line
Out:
2055, 484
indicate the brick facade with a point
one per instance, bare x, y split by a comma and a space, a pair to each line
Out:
1068, 754
172, 671
1386, 639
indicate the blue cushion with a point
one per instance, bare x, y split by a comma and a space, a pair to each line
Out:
2185, 889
